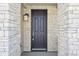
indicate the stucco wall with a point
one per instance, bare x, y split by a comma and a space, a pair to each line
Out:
51, 26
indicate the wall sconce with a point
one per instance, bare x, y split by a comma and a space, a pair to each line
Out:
26, 17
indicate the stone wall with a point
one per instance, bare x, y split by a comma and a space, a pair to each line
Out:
9, 29
14, 26
22, 28
73, 29
3, 35
63, 29
68, 39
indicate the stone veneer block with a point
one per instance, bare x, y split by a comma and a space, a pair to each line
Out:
9, 29
69, 45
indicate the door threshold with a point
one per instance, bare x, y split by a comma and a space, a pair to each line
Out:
39, 49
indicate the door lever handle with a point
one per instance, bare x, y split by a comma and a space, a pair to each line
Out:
32, 38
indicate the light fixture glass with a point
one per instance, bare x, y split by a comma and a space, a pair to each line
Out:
26, 17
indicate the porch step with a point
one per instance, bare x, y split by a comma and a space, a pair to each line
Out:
53, 53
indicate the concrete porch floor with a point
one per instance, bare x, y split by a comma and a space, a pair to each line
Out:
53, 53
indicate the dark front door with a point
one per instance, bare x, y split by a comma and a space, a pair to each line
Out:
39, 29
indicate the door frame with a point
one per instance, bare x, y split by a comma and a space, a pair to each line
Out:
46, 27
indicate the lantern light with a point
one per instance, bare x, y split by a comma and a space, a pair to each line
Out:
26, 17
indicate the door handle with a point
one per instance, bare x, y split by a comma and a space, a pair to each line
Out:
33, 36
